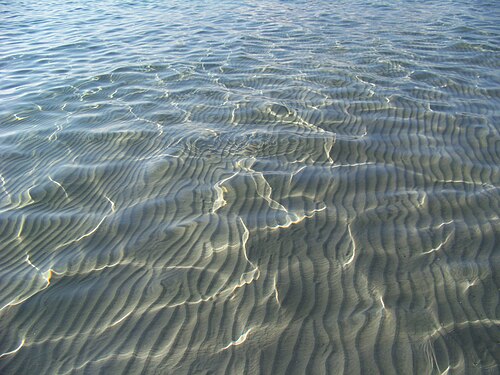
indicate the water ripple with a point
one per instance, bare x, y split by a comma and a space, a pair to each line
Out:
272, 187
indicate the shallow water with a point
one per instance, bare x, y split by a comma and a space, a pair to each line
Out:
272, 187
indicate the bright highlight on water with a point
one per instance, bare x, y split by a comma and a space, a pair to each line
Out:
249, 187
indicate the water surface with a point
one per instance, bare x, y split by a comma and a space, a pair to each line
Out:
249, 187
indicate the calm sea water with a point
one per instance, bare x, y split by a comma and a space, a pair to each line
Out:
249, 187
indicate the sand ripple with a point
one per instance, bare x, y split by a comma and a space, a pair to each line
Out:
249, 187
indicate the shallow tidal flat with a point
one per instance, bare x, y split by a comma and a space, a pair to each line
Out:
243, 187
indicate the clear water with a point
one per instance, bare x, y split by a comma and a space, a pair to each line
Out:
249, 187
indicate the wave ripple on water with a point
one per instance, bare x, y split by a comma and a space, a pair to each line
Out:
275, 187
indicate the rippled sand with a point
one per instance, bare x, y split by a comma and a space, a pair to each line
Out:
236, 187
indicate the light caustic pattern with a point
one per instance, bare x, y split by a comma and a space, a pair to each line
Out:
236, 187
